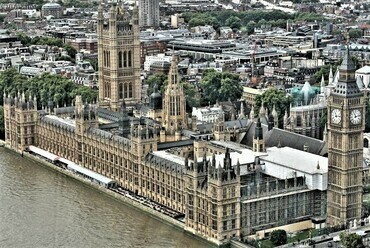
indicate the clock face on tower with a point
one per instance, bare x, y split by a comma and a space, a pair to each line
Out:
336, 116
355, 117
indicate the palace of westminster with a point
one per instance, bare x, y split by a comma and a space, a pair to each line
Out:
231, 179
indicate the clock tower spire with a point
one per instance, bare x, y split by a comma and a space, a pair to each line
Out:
346, 109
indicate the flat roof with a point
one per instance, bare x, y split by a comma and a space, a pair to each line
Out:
170, 157
364, 70
43, 153
68, 122
296, 160
90, 173
253, 90
71, 165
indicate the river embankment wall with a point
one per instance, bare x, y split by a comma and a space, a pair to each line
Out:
125, 200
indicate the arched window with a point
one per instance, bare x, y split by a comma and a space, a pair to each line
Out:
130, 93
104, 59
120, 91
108, 58
126, 90
106, 90
129, 59
124, 59
299, 121
120, 59
366, 143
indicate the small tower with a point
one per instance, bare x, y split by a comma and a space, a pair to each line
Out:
241, 114
174, 114
155, 104
325, 134
331, 77
322, 86
251, 114
20, 119
285, 120
124, 121
258, 142
275, 116
85, 115
262, 113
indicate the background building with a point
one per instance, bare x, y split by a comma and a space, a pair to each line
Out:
52, 9
149, 13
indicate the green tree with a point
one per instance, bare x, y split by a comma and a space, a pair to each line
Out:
87, 94
351, 240
70, 50
219, 86
65, 58
196, 22
324, 71
233, 22
11, 82
191, 95
156, 79
250, 26
24, 39
355, 33
44, 87
278, 237
94, 63
274, 97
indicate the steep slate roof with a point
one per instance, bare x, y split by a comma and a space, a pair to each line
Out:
294, 140
168, 145
64, 110
167, 161
277, 136
228, 124
58, 122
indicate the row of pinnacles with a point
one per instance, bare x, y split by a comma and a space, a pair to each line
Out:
207, 183
212, 170
306, 117
20, 101
20, 118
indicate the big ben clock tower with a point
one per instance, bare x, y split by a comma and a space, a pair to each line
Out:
346, 110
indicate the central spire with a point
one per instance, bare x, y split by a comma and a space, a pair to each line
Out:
347, 64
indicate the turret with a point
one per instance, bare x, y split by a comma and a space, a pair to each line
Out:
135, 15
262, 112
251, 114
325, 134
331, 77
258, 142
275, 116
241, 115
322, 86
285, 120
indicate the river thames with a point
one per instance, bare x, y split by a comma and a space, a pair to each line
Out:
42, 208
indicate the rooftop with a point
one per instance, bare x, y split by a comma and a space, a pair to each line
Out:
298, 160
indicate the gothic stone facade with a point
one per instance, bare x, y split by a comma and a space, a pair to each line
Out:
221, 199
346, 114
119, 58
